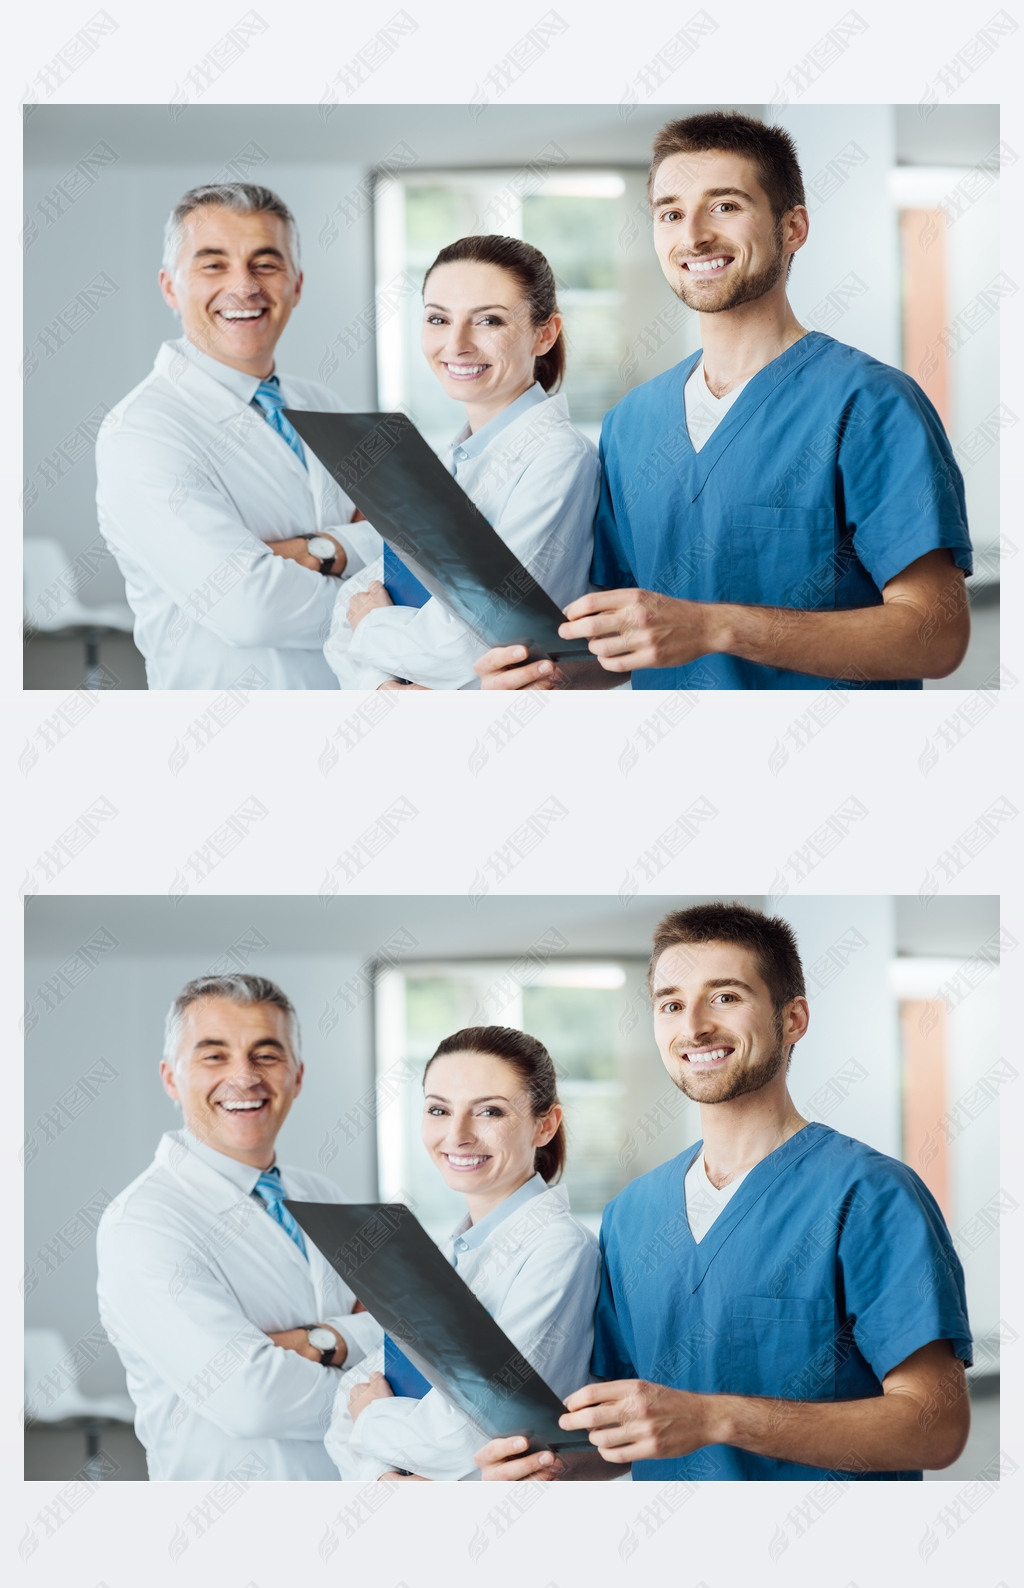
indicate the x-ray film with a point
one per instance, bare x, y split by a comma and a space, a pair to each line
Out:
407, 494
386, 1256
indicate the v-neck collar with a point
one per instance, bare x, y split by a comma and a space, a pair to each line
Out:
756, 1183
756, 392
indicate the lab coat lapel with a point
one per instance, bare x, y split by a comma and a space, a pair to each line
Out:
225, 408
760, 389
219, 1194
757, 1184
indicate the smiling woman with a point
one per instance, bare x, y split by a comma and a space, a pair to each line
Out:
492, 335
492, 1125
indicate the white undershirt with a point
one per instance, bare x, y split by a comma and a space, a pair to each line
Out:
704, 411
704, 1202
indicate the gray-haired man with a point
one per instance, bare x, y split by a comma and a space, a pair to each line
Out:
200, 479
227, 1322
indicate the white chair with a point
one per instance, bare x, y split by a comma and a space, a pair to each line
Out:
52, 605
53, 1397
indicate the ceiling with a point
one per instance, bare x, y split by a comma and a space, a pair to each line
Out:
446, 926
949, 135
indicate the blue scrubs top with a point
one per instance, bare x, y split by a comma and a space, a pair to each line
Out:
829, 1267
828, 476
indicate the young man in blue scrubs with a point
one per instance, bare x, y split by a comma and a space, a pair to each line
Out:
779, 1301
779, 511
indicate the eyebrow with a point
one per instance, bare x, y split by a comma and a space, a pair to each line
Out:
711, 192
495, 1097
478, 310
221, 253
717, 981
222, 1042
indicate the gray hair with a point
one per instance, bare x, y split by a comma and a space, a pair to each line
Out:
243, 198
238, 989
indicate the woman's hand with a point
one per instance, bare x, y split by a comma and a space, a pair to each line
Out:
297, 550
367, 601
504, 1461
377, 1389
506, 667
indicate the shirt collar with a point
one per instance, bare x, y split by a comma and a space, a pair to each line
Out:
243, 1175
234, 380
472, 444
474, 1235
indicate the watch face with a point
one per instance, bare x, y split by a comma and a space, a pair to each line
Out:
322, 1339
320, 546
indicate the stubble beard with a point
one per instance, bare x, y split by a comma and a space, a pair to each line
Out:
745, 291
751, 1080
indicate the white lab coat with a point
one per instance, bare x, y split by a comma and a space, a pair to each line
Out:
193, 1275
191, 483
536, 1270
537, 483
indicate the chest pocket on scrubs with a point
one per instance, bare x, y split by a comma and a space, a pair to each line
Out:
781, 556
780, 1346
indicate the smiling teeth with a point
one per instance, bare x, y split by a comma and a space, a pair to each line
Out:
241, 314
706, 264
707, 1058
465, 1163
237, 1107
466, 369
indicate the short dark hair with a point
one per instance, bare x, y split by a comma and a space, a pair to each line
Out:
529, 267
771, 149
532, 1062
771, 940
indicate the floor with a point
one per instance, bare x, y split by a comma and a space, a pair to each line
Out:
58, 1453
52, 662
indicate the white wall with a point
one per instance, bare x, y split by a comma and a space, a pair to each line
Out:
846, 1070
846, 278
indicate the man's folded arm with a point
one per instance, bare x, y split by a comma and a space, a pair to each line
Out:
168, 517
161, 1297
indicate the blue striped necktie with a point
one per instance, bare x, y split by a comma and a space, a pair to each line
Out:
271, 1193
270, 403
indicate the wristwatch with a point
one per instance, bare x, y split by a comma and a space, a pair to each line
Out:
322, 546
321, 1340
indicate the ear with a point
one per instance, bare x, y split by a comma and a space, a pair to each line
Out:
167, 288
547, 1125
795, 1020
547, 335
299, 1073
795, 226
170, 1084
300, 278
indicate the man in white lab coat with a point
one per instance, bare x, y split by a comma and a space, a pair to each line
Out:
200, 478
229, 1324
